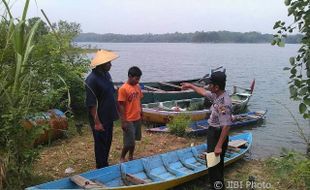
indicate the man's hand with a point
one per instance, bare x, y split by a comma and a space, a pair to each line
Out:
141, 114
217, 151
99, 127
186, 85
124, 125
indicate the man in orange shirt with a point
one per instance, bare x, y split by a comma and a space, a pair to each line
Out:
129, 99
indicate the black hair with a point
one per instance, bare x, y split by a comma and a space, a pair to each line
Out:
219, 78
134, 72
222, 85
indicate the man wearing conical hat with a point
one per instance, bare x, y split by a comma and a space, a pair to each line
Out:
101, 104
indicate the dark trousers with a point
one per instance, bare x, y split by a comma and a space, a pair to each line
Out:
103, 140
216, 173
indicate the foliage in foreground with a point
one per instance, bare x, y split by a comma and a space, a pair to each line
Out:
300, 64
299, 68
36, 74
292, 170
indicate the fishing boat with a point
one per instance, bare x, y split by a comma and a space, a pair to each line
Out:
196, 108
170, 90
166, 91
160, 171
201, 127
241, 97
53, 122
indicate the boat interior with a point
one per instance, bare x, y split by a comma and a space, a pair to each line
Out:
158, 168
178, 105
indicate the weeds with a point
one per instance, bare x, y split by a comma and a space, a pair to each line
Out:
292, 169
178, 124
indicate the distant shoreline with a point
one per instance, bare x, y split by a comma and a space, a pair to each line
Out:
196, 37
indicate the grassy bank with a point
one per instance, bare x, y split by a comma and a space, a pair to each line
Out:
77, 152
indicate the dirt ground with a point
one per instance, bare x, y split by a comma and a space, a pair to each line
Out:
77, 153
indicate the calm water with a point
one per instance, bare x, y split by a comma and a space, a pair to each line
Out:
243, 62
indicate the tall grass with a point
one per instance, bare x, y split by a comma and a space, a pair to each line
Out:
16, 91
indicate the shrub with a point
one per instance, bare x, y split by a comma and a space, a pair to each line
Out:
292, 168
178, 124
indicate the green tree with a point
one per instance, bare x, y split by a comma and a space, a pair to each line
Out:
42, 29
299, 68
300, 64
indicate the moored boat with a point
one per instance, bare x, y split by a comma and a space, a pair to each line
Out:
163, 112
201, 127
160, 171
54, 124
166, 91
170, 90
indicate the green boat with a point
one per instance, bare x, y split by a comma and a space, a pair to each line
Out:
196, 108
166, 91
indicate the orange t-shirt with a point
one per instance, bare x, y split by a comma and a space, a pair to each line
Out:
131, 96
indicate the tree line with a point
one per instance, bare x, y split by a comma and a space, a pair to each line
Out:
196, 37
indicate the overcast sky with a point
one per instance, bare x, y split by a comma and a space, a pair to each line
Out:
161, 16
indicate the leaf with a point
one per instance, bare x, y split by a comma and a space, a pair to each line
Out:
307, 101
297, 83
290, 11
302, 108
293, 71
287, 2
277, 24
292, 60
281, 44
304, 91
286, 68
306, 116
293, 91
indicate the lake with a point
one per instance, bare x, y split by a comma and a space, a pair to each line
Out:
243, 63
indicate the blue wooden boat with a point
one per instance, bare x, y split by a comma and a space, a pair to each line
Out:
155, 172
201, 127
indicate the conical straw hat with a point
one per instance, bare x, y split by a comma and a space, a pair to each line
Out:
102, 57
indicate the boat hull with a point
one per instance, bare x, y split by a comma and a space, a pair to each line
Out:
164, 117
54, 118
152, 112
162, 171
199, 128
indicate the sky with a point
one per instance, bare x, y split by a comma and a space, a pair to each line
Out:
160, 16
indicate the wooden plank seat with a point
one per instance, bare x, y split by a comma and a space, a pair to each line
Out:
166, 160
236, 101
148, 170
86, 183
237, 143
183, 161
199, 157
153, 88
171, 85
134, 180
